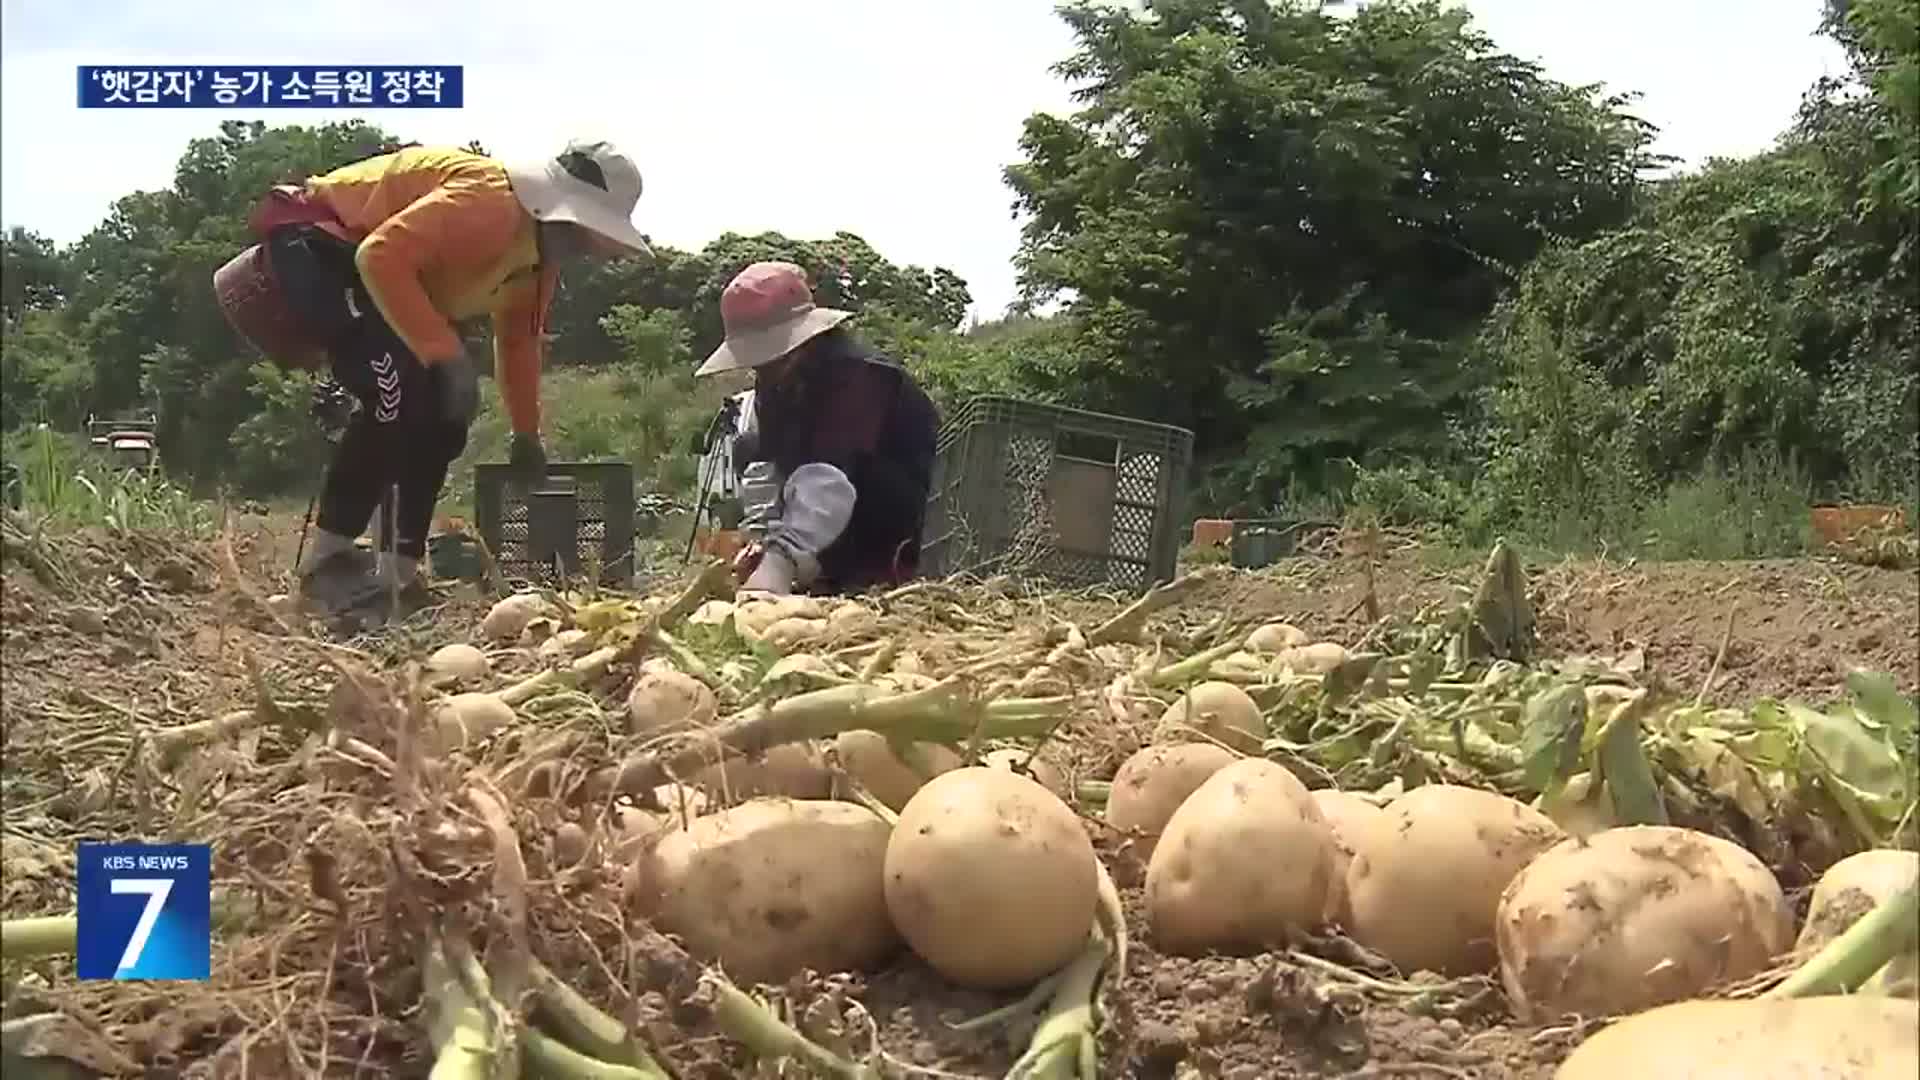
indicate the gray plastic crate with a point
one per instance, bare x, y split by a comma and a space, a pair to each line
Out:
1077, 498
582, 513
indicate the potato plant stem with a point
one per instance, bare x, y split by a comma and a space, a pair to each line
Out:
547, 1058
39, 935
1849, 960
939, 713
1063, 1046
1194, 667
584, 1027
456, 1024
746, 1021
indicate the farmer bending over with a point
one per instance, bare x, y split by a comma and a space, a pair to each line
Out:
367, 268
841, 442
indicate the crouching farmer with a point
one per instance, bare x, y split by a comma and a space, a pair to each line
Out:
841, 443
366, 269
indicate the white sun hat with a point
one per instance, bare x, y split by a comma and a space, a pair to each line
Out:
590, 184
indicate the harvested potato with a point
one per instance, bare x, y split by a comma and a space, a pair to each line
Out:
570, 844
1353, 824
1858, 1038
509, 618
457, 662
870, 760
664, 700
712, 613
773, 886
634, 831
853, 617
1220, 711
1022, 761
466, 719
1852, 887
1245, 860
1152, 783
1275, 637
1425, 893
1848, 890
791, 633
1311, 659
991, 878
795, 770
562, 644
1631, 918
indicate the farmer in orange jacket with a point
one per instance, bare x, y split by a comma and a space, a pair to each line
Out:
371, 265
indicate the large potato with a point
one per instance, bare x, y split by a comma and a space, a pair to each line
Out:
664, 700
1220, 711
795, 770
1852, 887
1842, 1038
1353, 824
1424, 895
1848, 890
1635, 917
869, 759
1151, 785
1243, 861
456, 663
508, 619
773, 886
991, 878
1273, 637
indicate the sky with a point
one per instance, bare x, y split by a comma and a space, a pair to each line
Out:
891, 119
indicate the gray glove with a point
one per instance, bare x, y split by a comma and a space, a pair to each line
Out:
527, 459
457, 389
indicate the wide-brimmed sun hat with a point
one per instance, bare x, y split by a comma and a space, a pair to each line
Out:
590, 184
768, 311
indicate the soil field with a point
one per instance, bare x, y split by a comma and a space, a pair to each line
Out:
105, 634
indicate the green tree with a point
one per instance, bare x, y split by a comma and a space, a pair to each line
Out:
1271, 220
33, 276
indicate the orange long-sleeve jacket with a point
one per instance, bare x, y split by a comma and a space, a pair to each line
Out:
440, 238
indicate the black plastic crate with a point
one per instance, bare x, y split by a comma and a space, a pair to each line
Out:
1259, 542
583, 513
1078, 498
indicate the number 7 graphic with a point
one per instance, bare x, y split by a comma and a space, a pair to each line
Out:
156, 890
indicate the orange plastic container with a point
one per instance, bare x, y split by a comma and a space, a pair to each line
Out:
1839, 524
1212, 532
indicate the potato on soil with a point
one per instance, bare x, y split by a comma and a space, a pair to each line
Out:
795, 770
1244, 860
1220, 711
1859, 1038
1353, 824
1151, 784
458, 662
1023, 761
1634, 917
1315, 659
794, 632
509, 618
465, 719
1274, 637
563, 644
664, 700
773, 886
991, 878
1850, 889
870, 760
1425, 894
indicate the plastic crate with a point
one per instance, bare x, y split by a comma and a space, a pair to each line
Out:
1077, 498
1259, 542
583, 513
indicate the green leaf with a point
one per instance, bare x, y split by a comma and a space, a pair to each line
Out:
1623, 758
1884, 706
1555, 720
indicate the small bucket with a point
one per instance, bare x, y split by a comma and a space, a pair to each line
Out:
250, 297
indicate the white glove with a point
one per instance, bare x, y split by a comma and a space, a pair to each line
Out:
815, 507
